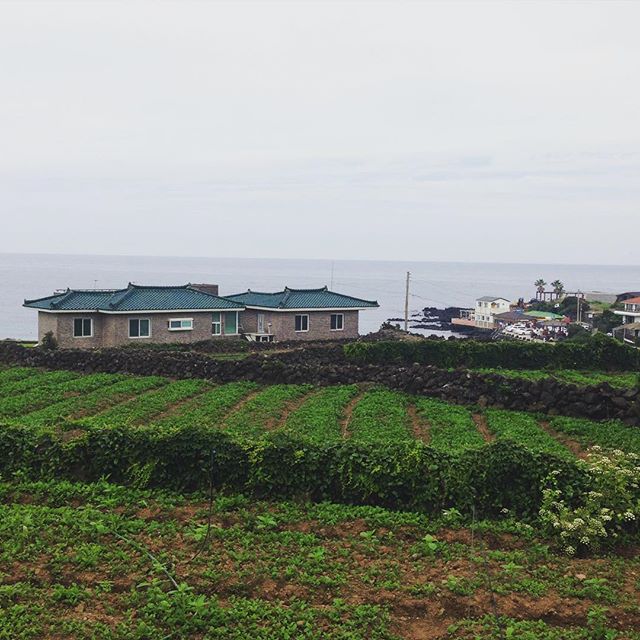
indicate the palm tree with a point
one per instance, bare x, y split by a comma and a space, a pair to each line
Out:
558, 288
540, 284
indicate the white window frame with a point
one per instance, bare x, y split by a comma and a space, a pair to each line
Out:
182, 327
138, 337
83, 318
337, 315
295, 318
217, 322
235, 333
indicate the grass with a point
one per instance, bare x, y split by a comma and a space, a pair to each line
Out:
572, 376
102, 562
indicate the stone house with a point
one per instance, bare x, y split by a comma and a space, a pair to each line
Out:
109, 318
299, 314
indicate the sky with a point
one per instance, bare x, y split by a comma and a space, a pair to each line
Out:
438, 131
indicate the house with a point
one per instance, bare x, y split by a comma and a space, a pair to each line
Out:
90, 318
631, 311
486, 310
299, 314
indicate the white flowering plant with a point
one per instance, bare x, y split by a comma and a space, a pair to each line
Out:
611, 508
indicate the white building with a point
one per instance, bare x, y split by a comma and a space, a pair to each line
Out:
631, 311
487, 308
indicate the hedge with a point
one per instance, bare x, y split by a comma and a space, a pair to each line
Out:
401, 476
599, 352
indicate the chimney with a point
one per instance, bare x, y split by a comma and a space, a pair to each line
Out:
211, 289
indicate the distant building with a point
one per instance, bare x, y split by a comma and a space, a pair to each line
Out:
486, 310
631, 311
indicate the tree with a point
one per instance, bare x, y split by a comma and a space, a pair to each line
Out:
540, 284
558, 287
49, 341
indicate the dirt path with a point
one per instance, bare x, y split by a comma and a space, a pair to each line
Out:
481, 425
348, 410
573, 445
174, 407
419, 426
288, 409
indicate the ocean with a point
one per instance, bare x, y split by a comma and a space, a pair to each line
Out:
433, 284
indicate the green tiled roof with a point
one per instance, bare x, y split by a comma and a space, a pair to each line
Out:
545, 314
301, 299
133, 298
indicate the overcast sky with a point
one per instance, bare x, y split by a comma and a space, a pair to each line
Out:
481, 131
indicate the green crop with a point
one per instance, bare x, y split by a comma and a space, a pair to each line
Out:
319, 417
381, 416
524, 429
263, 411
146, 407
451, 427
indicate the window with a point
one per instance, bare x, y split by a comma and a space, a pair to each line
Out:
302, 323
139, 328
231, 323
82, 327
337, 321
181, 324
216, 325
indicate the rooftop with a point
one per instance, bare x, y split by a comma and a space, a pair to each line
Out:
631, 301
134, 298
301, 299
490, 299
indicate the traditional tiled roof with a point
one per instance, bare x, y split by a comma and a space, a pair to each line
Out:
133, 298
290, 299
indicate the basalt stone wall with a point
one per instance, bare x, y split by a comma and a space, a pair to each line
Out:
327, 367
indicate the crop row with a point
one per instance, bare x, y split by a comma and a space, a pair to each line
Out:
110, 392
451, 427
381, 416
524, 428
247, 411
146, 407
46, 393
610, 435
263, 411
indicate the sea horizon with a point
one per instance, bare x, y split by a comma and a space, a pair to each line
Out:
433, 283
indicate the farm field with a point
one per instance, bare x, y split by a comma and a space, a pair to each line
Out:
101, 561
247, 411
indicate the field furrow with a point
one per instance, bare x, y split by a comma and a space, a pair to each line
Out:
318, 418
32, 383
609, 435
523, 428
208, 409
263, 411
110, 391
451, 427
47, 395
145, 408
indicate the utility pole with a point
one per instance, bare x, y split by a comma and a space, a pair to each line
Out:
406, 304
578, 307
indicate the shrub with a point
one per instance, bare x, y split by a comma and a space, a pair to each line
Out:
598, 352
608, 511
49, 342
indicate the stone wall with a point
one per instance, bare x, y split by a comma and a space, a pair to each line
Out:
326, 366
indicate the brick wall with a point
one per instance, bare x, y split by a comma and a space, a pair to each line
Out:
283, 326
112, 330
